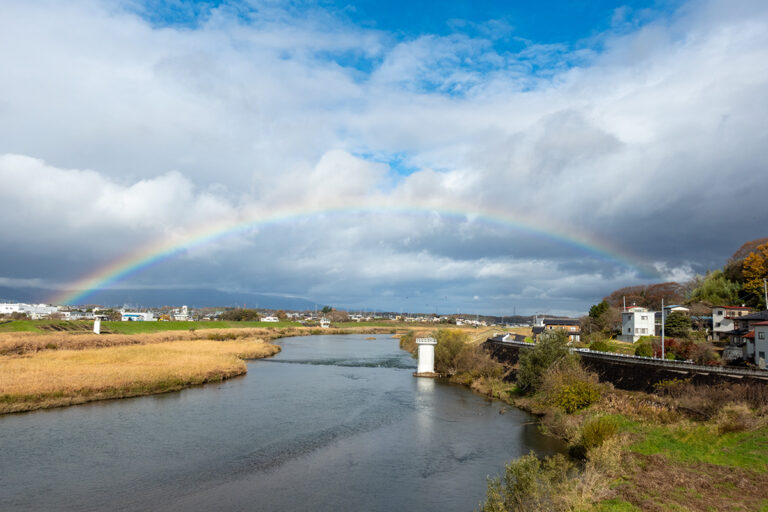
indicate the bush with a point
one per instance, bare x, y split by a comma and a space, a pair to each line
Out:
568, 386
529, 484
577, 395
644, 349
597, 430
600, 346
408, 343
734, 417
561, 425
552, 347
450, 342
454, 354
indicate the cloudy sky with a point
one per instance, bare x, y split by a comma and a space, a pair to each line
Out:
426, 156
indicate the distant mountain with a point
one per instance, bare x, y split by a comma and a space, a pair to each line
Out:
169, 297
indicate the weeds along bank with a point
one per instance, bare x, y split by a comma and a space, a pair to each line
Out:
53, 370
25, 342
682, 447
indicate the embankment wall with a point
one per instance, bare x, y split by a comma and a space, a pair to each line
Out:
634, 373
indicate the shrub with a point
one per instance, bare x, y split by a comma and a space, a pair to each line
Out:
597, 430
577, 395
600, 346
222, 336
529, 484
568, 386
450, 342
644, 349
561, 425
552, 347
408, 343
734, 417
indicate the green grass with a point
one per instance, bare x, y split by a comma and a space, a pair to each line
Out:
140, 327
615, 506
130, 327
703, 444
19, 326
368, 324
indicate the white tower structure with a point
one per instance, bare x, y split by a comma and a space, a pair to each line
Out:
426, 355
97, 326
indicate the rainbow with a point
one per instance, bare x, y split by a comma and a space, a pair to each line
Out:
166, 248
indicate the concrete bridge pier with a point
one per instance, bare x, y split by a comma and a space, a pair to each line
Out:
426, 366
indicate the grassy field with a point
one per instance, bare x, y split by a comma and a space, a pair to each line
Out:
128, 327
53, 378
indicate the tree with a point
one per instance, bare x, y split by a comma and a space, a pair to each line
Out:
450, 342
677, 324
715, 289
327, 309
596, 311
755, 269
602, 320
240, 315
281, 315
552, 347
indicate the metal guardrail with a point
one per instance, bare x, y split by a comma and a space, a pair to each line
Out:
651, 361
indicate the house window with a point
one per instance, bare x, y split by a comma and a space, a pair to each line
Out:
761, 335
644, 317
717, 324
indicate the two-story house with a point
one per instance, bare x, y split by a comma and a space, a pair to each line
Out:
744, 334
723, 320
637, 322
569, 325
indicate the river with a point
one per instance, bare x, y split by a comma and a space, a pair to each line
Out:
331, 423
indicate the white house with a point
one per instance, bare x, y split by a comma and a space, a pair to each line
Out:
325, 323
35, 311
723, 319
181, 314
270, 319
637, 322
761, 344
137, 316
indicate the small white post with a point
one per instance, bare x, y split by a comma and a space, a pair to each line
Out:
662, 329
426, 366
97, 326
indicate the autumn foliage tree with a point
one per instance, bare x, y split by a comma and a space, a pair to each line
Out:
754, 270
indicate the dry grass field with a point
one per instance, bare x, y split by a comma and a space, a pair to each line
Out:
54, 378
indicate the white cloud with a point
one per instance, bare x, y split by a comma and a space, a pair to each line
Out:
647, 136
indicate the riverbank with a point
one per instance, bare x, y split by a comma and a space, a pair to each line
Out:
683, 447
44, 370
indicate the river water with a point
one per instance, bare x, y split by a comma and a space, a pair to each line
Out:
331, 423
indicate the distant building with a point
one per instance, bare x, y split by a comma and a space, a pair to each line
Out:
637, 322
325, 323
34, 311
270, 319
569, 325
724, 319
137, 316
744, 335
761, 343
181, 314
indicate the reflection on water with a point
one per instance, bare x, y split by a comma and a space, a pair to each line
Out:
330, 423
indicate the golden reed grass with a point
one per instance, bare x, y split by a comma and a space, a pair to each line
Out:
42, 370
25, 342
55, 378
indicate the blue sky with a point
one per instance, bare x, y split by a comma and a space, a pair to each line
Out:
584, 124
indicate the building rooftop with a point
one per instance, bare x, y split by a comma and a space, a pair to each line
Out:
760, 315
561, 321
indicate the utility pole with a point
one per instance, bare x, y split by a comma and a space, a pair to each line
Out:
662, 328
765, 291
